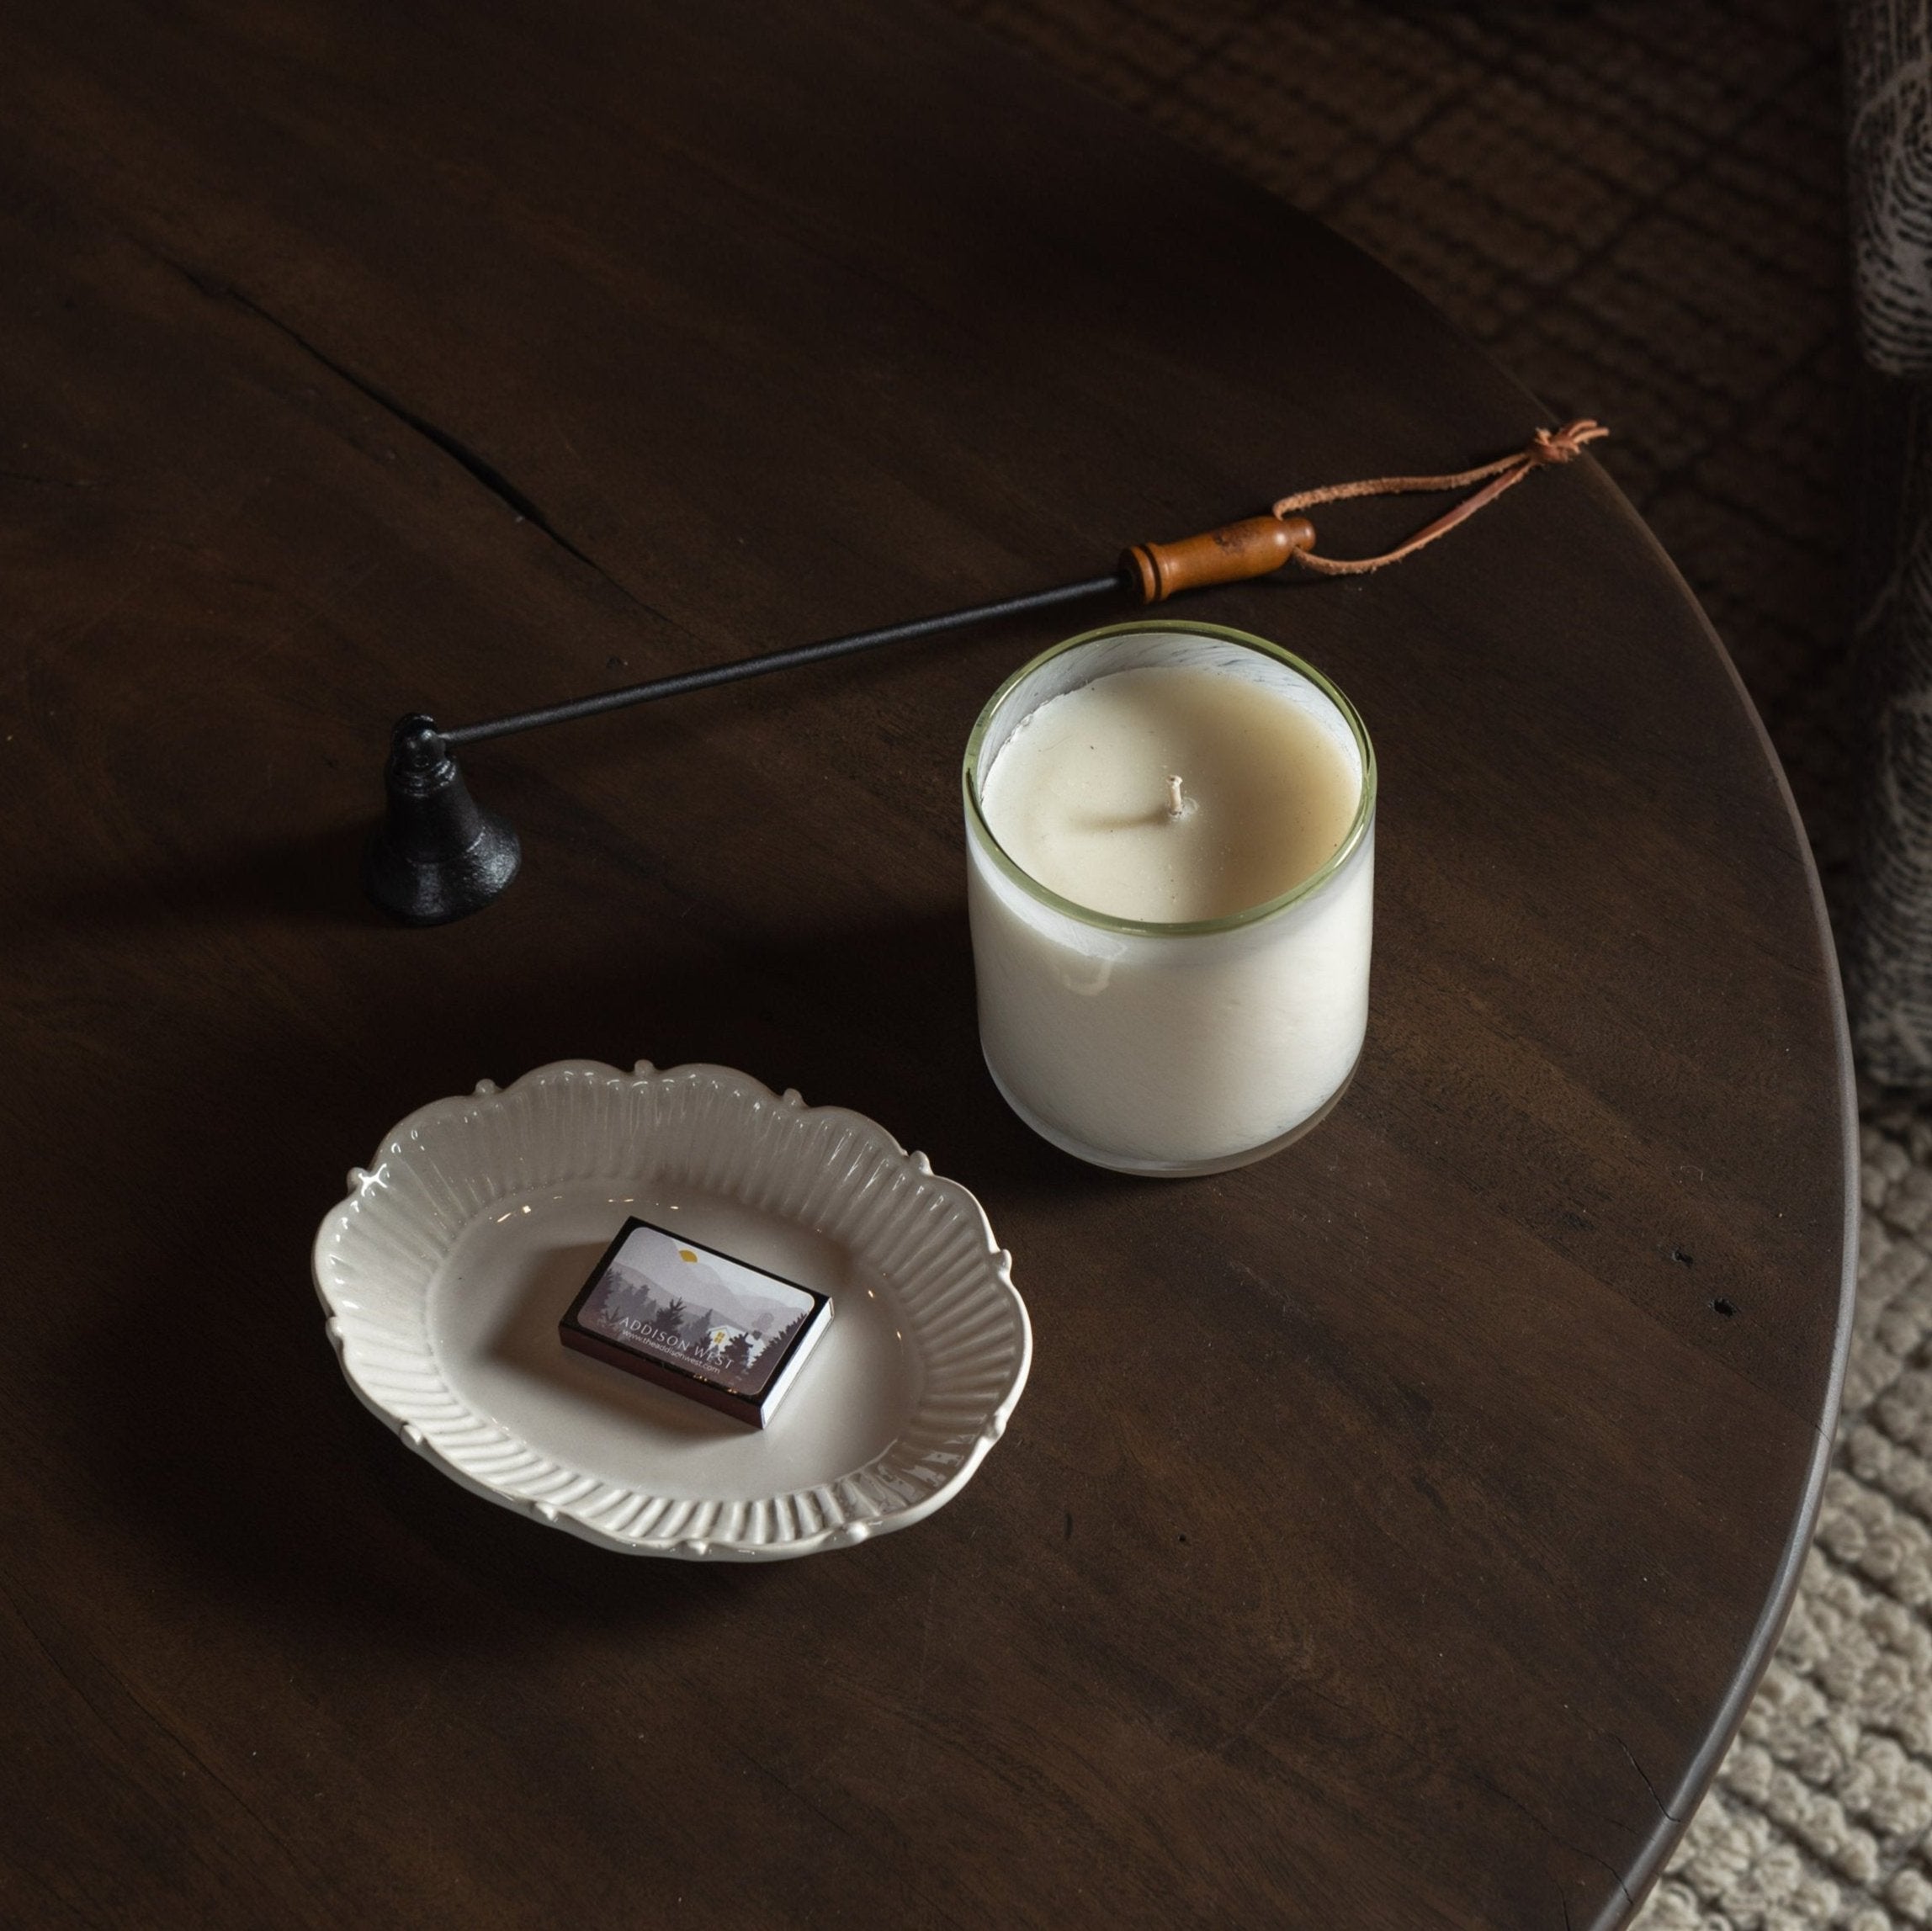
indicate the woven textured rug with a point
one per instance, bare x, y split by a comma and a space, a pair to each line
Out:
1637, 208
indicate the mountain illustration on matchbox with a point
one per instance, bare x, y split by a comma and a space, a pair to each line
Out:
696, 1321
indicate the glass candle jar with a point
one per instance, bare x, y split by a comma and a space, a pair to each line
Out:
1169, 1047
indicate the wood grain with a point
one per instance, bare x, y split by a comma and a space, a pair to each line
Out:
355, 358
1256, 546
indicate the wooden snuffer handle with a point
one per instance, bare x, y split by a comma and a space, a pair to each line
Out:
1251, 548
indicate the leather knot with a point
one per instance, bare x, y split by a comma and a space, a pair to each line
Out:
1560, 445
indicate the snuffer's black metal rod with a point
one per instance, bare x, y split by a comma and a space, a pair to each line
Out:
437, 855
676, 687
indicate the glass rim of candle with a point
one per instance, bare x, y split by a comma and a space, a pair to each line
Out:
1191, 928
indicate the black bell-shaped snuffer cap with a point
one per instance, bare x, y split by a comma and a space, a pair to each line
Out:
437, 854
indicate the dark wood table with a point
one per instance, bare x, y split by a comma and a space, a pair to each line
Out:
358, 357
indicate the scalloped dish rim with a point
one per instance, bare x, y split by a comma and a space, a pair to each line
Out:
749, 1093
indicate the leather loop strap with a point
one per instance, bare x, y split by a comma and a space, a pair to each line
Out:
1257, 546
1545, 447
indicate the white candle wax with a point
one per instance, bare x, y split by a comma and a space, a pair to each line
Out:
1169, 831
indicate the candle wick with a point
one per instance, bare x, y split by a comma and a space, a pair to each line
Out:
1177, 801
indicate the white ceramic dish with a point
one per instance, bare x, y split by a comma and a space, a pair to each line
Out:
446, 1269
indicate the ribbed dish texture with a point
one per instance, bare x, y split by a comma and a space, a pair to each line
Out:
711, 1131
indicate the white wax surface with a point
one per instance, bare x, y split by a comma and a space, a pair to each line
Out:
1081, 795
1162, 1051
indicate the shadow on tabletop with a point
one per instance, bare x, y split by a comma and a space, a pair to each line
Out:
229, 1432
310, 879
